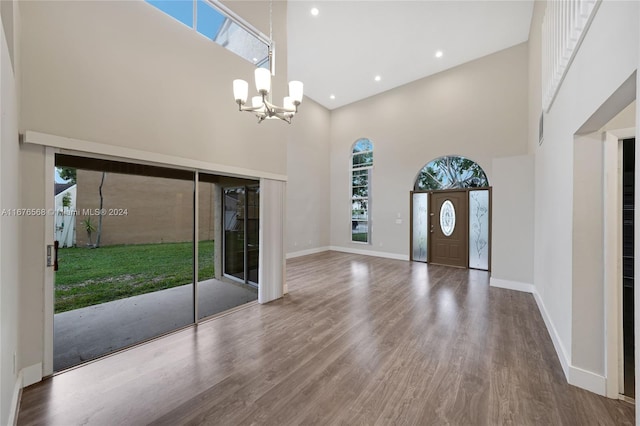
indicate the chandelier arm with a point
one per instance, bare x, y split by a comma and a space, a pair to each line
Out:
278, 109
249, 109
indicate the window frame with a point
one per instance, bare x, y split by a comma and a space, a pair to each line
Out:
355, 170
231, 17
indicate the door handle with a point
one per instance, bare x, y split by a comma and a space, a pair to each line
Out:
56, 244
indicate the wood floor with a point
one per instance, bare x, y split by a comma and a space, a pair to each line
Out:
358, 341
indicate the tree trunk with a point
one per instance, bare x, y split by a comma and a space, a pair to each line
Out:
101, 206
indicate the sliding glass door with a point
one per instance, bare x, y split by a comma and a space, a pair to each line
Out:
127, 258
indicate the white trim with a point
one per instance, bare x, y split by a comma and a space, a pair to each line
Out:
612, 214
307, 252
82, 146
370, 253
626, 133
511, 285
15, 401
587, 380
241, 22
49, 274
555, 338
31, 374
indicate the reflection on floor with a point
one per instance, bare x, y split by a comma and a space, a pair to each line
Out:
88, 333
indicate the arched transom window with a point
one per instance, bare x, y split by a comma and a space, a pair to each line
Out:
361, 166
450, 172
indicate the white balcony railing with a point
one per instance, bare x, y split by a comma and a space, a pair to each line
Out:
564, 25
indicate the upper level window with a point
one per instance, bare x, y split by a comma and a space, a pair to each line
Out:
361, 166
450, 172
214, 21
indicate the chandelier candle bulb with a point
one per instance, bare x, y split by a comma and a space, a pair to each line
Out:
295, 91
263, 80
288, 104
240, 91
256, 102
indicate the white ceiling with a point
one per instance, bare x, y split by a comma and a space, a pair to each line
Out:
341, 50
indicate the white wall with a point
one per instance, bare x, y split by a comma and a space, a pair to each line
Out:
477, 110
588, 254
607, 57
512, 218
308, 181
127, 74
9, 225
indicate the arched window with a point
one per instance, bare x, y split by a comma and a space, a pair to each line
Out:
361, 165
450, 172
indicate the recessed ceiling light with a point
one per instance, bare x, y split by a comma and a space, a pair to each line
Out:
439, 53
332, 96
315, 11
377, 78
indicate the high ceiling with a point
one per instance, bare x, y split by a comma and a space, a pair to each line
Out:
347, 44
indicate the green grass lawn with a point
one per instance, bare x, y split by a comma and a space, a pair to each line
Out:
360, 236
91, 276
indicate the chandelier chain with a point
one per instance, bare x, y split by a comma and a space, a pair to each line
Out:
270, 23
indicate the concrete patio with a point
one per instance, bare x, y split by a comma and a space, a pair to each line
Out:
88, 333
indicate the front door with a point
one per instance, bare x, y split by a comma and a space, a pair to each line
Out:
448, 228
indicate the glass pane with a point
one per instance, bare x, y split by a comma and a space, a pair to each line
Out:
217, 26
360, 177
362, 145
129, 275
479, 229
451, 172
420, 227
363, 160
209, 20
215, 293
360, 191
242, 43
359, 210
253, 232
182, 10
360, 231
447, 218
234, 201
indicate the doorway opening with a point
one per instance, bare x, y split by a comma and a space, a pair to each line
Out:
628, 212
450, 214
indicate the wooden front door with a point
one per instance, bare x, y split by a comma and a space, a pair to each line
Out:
448, 228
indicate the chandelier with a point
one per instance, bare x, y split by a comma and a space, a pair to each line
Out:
262, 105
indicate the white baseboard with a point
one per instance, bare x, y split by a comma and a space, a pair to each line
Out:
31, 374
307, 252
555, 338
395, 256
15, 401
511, 285
587, 380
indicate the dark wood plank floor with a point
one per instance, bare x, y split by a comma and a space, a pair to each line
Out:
359, 340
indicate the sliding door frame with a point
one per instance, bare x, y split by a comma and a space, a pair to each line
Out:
52, 145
